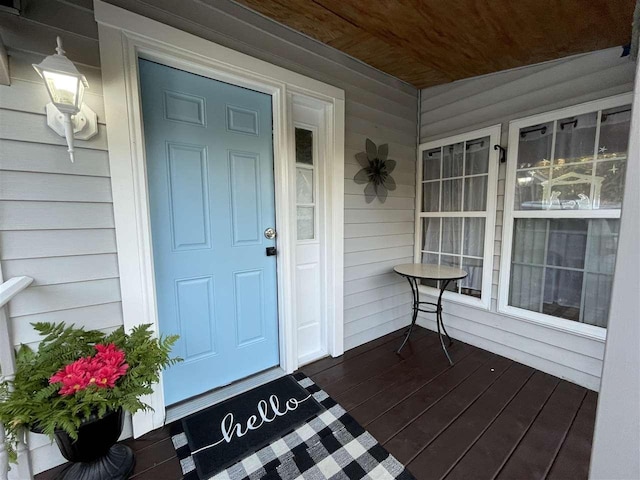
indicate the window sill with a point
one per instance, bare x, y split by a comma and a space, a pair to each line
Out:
456, 298
591, 332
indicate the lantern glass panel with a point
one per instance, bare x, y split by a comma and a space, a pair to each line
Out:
65, 90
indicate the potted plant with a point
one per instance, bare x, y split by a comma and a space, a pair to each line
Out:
75, 389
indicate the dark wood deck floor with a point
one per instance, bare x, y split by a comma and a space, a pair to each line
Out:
486, 417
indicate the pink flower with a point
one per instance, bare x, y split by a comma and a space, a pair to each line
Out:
109, 354
101, 370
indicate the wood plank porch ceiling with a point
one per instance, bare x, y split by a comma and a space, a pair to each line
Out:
430, 42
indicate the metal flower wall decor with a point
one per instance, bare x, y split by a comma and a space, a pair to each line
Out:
376, 171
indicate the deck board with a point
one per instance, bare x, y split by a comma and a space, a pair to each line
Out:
450, 445
538, 449
486, 417
573, 459
408, 410
484, 457
422, 430
415, 370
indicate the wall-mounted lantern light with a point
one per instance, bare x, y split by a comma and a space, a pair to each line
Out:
66, 115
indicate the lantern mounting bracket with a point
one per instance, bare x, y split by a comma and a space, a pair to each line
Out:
84, 123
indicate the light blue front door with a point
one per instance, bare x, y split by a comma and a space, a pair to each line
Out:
209, 149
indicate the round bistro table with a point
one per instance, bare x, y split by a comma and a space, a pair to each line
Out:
414, 272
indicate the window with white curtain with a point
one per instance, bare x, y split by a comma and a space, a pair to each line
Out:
456, 192
562, 207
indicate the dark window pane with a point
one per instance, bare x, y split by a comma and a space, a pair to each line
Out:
451, 261
473, 237
569, 187
472, 284
529, 239
431, 196
529, 193
597, 299
477, 156
452, 195
610, 187
567, 243
451, 235
562, 293
614, 133
534, 146
475, 193
304, 146
602, 245
431, 234
575, 138
432, 259
452, 160
572, 245
526, 287
431, 164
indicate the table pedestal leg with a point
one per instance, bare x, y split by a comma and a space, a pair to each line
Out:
416, 305
440, 323
413, 282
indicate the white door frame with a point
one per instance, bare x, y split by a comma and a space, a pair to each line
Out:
124, 37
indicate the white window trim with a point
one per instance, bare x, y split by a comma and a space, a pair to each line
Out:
493, 133
577, 328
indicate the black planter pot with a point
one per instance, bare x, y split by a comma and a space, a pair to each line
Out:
95, 455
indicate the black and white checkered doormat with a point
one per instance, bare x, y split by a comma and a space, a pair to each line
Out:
331, 445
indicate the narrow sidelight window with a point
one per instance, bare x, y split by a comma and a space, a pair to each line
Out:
305, 184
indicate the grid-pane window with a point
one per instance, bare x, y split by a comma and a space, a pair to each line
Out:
567, 193
456, 218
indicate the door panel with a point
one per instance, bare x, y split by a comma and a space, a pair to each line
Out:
188, 192
244, 182
249, 307
196, 318
209, 152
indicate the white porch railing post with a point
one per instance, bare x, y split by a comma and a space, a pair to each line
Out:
8, 290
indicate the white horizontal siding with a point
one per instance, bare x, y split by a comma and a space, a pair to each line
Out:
54, 187
68, 269
18, 244
496, 99
379, 216
104, 315
371, 282
356, 230
22, 96
354, 142
32, 127
378, 242
374, 268
373, 295
64, 296
37, 157
30, 215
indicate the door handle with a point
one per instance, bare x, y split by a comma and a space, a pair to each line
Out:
270, 233
271, 251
